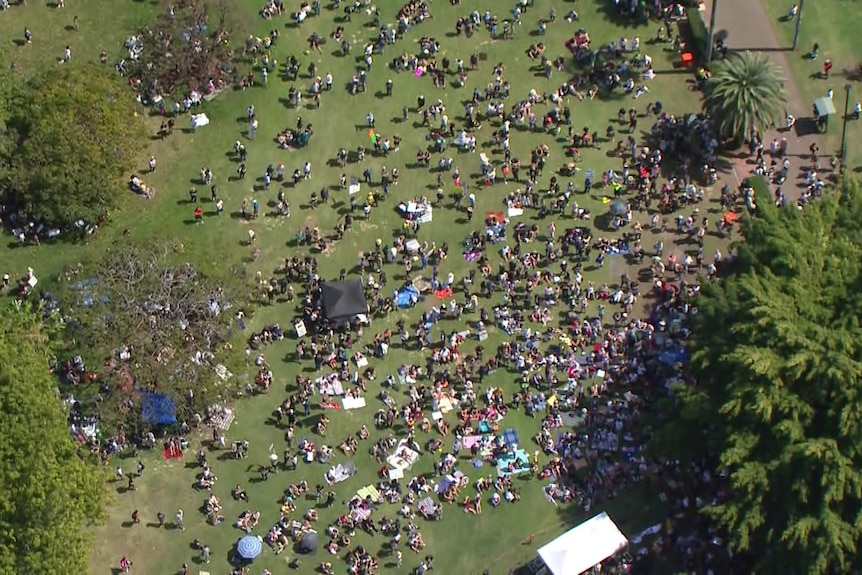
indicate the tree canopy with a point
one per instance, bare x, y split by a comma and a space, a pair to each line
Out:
745, 92
75, 134
152, 321
48, 494
184, 49
10, 83
777, 353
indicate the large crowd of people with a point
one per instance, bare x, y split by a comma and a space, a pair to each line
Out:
585, 357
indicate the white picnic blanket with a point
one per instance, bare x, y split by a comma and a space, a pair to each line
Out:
339, 473
412, 245
353, 402
199, 120
403, 457
445, 405
329, 384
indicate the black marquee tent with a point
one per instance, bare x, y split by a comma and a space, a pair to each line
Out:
343, 300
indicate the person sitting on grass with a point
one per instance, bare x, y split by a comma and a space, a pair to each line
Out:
363, 433
239, 493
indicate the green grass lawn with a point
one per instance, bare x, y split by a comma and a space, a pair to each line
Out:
833, 25
460, 543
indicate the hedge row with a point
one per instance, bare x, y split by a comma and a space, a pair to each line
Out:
698, 34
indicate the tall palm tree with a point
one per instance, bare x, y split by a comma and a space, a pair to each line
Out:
744, 93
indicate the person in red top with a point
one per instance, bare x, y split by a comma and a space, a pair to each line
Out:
827, 67
199, 215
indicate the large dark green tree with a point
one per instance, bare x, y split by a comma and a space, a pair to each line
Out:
777, 353
49, 496
10, 84
151, 320
76, 134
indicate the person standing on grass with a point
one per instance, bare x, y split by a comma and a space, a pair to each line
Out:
136, 517
160, 517
178, 520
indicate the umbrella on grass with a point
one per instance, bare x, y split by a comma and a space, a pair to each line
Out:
308, 544
619, 207
249, 547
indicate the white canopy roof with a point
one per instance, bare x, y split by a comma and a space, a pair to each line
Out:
584, 546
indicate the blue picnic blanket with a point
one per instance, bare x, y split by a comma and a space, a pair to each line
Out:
521, 463
510, 437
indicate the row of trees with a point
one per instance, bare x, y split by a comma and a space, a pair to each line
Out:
777, 354
69, 139
50, 494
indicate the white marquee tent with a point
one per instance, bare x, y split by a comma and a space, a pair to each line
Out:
583, 546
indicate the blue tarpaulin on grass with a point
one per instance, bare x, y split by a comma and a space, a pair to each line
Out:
673, 356
158, 409
407, 296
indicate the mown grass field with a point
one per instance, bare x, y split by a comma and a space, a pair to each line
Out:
460, 543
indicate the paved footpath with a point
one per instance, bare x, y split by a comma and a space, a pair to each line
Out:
746, 26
